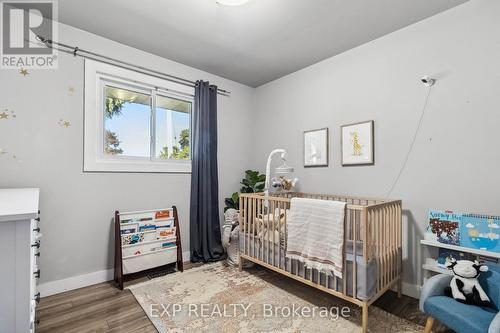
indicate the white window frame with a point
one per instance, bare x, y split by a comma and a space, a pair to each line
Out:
96, 76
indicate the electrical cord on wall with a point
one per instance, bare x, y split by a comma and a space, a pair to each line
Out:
420, 121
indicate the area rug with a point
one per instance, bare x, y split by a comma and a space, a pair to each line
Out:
217, 298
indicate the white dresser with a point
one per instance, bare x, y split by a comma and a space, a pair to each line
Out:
19, 251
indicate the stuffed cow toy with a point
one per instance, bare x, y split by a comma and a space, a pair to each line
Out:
464, 287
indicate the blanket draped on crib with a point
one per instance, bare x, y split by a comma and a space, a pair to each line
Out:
316, 234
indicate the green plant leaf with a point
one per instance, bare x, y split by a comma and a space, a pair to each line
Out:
253, 182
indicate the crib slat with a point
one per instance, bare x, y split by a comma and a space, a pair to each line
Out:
286, 237
269, 215
382, 211
354, 260
377, 231
259, 226
392, 235
270, 251
242, 223
247, 221
382, 254
344, 264
247, 226
375, 219
388, 214
254, 221
383, 246
280, 204
260, 231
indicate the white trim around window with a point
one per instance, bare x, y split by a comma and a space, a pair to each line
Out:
96, 75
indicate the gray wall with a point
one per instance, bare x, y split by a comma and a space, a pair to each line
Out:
77, 207
454, 164
456, 157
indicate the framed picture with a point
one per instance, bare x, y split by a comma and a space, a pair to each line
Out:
316, 148
357, 144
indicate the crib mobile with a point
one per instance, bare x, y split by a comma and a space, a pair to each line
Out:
283, 181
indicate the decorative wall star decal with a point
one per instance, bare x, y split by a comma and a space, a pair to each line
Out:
64, 123
71, 90
7, 113
2, 151
23, 72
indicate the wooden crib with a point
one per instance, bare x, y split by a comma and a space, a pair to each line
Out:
372, 245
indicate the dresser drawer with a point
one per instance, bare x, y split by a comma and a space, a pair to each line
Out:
35, 230
32, 315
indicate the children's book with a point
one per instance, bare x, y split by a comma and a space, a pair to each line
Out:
165, 232
480, 232
444, 227
147, 227
445, 256
463, 229
162, 214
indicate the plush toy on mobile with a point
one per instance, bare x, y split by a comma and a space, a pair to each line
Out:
464, 287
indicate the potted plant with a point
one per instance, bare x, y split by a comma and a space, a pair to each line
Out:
252, 183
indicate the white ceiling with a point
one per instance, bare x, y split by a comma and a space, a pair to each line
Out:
252, 44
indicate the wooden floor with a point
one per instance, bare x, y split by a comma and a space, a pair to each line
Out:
104, 308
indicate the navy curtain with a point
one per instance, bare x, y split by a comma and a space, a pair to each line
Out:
205, 232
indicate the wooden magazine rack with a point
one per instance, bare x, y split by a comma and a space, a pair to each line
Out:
144, 241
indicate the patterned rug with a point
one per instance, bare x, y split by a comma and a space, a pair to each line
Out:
216, 298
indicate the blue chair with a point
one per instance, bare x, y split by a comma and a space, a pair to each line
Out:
462, 318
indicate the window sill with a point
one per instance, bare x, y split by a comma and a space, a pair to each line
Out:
124, 165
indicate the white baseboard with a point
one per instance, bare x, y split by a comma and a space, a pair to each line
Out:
80, 281
75, 282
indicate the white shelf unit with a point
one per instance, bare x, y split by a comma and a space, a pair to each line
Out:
461, 249
437, 269
157, 244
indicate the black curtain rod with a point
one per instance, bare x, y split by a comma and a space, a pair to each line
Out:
76, 51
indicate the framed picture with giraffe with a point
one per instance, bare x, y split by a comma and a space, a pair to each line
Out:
357, 144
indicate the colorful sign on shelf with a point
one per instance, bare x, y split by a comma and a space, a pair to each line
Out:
463, 229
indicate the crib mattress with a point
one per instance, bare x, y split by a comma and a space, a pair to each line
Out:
366, 272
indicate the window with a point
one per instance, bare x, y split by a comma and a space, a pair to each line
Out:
127, 119
134, 122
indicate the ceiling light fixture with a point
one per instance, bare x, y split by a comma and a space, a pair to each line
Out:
232, 2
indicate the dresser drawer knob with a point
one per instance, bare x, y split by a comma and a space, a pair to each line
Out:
37, 219
37, 254
37, 244
37, 297
37, 274
37, 229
